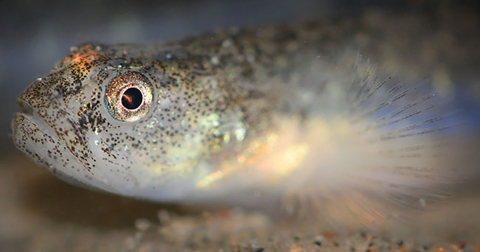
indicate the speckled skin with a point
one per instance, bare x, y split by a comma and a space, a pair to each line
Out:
233, 76
289, 110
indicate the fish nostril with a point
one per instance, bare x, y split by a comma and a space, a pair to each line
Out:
25, 107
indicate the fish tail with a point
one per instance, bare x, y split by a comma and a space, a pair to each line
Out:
392, 149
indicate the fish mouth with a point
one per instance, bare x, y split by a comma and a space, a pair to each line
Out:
28, 125
29, 134
31, 102
37, 140
28, 120
35, 131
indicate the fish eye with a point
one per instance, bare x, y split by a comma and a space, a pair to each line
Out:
132, 98
129, 96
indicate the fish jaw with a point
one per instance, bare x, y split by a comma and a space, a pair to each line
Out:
41, 130
43, 146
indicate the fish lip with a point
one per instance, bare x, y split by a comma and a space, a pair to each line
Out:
25, 123
32, 118
28, 121
34, 132
28, 111
25, 107
24, 126
35, 137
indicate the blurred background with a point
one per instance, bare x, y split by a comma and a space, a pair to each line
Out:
39, 211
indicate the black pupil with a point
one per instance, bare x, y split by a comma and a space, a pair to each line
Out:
132, 98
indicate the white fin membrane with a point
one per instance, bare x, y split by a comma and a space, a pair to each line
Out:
393, 147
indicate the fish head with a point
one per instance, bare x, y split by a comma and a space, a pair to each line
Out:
118, 122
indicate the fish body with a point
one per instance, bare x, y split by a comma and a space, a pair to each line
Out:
292, 116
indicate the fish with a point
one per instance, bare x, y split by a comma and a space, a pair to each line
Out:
296, 118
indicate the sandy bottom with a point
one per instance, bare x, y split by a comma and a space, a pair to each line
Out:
41, 213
